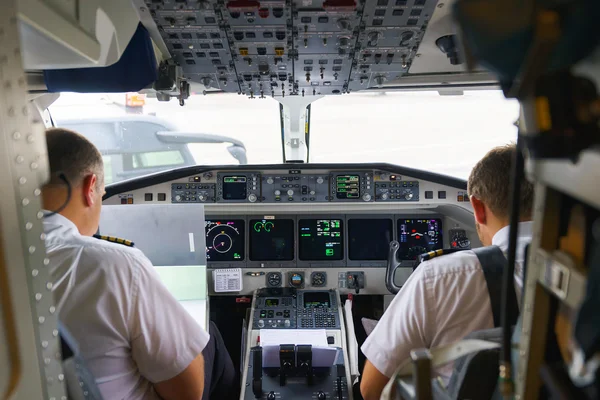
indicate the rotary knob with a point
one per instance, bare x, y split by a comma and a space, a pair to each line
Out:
290, 192
178, 198
344, 42
408, 195
270, 181
202, 197
373, 37
343, 24
312, 192
286, 323
319, 180
384, 196
271, 396
366, 197
206, 81
277, 193
261, 323
252, 198
321, 396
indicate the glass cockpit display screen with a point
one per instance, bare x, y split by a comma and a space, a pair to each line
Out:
271, 240
369, 239
418, 236
316, 300
347, 186
234, 187
321, 239
225, 240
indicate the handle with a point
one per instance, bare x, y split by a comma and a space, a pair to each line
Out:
392, 264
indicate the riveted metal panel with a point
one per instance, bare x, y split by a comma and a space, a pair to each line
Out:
24, 166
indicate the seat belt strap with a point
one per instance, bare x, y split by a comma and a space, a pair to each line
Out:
493, 262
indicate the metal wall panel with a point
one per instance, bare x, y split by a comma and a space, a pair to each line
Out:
24, 167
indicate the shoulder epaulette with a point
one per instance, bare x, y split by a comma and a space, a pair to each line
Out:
437, 253
113, 239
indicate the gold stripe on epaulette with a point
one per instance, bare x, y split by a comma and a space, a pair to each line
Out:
114, 239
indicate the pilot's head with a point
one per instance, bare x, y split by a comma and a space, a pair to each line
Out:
76, 163
489, 191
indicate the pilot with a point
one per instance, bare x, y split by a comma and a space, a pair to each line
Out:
446, 298
138, 341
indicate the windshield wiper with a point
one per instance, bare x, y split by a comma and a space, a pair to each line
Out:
237, 148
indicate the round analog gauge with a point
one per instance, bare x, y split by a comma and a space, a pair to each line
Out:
274, 279
296, 280
224, 240
318, 279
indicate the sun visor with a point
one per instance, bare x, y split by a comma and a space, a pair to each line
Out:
135, 70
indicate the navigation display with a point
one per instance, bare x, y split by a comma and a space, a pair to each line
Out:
418, 236
321, 239
225, 240
234, 188
347, 186
316, 300
271, 239
369, 239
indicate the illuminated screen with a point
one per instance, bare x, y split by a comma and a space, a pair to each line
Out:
369, 239
347, 186
225, 240
271, 302
316, 300
234, 188
418, 236
321, 239
271, 239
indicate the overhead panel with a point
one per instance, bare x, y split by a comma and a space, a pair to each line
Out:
299, 47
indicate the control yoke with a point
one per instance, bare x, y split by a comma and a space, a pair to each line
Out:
392, 264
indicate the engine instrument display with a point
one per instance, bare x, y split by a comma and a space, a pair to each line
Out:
234, 187
369, 239
271, 240
321, 239
316, 300
418, 236
225, 240
271, 302
347, 186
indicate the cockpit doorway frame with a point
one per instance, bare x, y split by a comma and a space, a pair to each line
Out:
27, 302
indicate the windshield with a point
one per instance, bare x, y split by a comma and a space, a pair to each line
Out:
138, 135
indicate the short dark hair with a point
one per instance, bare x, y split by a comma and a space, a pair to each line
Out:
73, 155
490, 182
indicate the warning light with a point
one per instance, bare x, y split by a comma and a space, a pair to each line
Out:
454, 244
417, 237
414, 231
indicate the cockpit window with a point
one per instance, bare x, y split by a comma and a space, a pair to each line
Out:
421, 129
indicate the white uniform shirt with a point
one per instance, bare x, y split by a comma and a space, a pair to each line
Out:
443, 300
131, 331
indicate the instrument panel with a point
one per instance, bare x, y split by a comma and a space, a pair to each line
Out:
276, 241
313, 226
301, 186
281, 48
